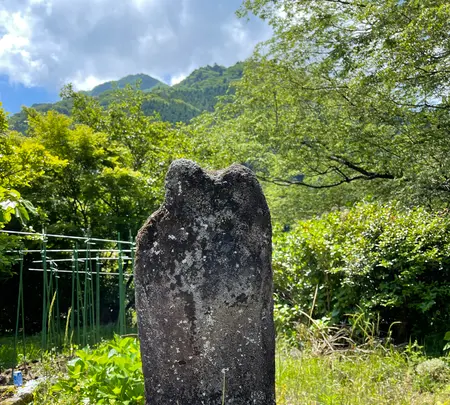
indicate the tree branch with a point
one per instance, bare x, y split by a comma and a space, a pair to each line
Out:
346, 3
363, 175
364, 172
287, 183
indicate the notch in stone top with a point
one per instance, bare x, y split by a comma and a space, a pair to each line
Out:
185, 180
204, 290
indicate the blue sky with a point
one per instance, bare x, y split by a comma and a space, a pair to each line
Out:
45, 44
14, 95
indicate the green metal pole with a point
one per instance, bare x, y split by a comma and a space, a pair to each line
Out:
132, 247
72, 312
44, 293
50, 324
122, 327
97, 298
58, 320
19, 305
23, 309
91, 288
78, 294
85, 299
132, 251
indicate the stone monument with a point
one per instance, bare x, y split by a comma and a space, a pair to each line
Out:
204, 291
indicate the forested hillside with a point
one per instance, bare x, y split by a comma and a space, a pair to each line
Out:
146, 83
179, 103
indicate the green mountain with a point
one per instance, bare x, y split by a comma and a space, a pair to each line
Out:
179, 103
202, 87
147, 83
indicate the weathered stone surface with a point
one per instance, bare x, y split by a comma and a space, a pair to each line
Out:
204, 291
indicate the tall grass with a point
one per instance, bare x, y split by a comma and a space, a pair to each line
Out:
353, 366
376, 378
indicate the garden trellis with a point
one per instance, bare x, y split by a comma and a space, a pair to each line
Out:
84, 261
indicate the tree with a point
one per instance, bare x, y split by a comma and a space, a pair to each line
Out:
20, 161
116, 158
150, 142
75, 199
345, 93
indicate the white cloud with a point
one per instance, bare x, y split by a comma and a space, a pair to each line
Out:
177, 79
89, 82
52, 42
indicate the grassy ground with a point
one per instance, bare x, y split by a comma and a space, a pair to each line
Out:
379, 377
8, 357
313, 376
355, 377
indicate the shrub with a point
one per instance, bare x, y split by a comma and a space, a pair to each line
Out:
373, 258
432, 374
110, 374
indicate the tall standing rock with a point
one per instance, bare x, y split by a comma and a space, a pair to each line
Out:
204, 291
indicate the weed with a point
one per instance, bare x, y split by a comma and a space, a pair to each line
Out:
379, 377
109, 374
432, 374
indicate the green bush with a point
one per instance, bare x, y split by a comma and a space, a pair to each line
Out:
110, 374
382, 260
432, 374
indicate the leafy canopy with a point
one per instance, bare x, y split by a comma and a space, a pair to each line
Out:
21, 161
346, 92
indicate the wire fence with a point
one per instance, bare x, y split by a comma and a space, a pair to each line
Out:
84, 262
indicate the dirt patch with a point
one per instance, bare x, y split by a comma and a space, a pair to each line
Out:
7, 391
27, 370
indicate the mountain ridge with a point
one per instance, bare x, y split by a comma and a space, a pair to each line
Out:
147, 82
181, 102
